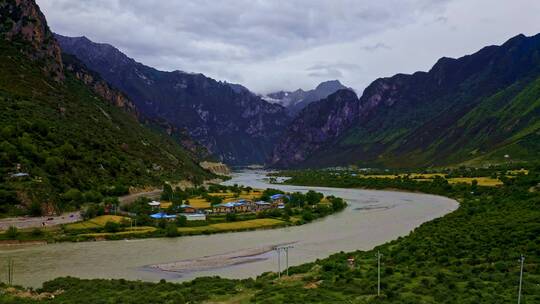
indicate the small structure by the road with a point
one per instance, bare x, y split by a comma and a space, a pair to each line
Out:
19, 175
194, 216
236, 206
262, 205
154, 203
188, 209
163, 215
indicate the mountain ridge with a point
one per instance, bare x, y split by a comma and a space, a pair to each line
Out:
416, 119
234, 124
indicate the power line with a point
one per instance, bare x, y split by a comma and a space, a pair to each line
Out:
378, 273
279, 249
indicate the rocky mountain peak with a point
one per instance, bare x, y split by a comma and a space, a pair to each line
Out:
22, 20
317, 125
297, 100
330, 85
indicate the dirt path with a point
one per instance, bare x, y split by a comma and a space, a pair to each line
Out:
154, 194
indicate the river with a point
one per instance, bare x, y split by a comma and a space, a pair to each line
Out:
371, 218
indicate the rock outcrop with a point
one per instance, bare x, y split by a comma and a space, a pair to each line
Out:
216, 168
318, 124
22, 20
98, 85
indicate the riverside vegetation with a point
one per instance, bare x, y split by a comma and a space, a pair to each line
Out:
468, 256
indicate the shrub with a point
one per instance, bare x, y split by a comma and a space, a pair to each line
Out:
181, 221
171, 230
307, 216
37, 232
111, 226
12, 232
230, 217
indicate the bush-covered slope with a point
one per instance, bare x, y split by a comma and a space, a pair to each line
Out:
65, 137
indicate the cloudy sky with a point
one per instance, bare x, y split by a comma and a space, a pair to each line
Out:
269, 45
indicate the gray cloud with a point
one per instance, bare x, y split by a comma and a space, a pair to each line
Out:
376, 46
269, 43
327, 73
324, 71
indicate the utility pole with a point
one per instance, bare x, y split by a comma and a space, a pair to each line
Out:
285, 248
279, 263
287, 260
10, 272
379, 273
522, 260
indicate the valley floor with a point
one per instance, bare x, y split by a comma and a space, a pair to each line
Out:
468, 256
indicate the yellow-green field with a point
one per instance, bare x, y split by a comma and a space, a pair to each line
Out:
231, 226
127, 232
414, 175
516, 172
97, 222
482, 181
199, 203
165, 205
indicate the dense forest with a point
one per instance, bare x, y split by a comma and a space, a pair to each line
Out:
468, 256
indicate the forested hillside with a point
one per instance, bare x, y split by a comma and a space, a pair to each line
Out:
60, 143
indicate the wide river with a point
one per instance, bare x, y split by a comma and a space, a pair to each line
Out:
371, 218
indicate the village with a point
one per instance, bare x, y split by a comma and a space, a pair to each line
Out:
182, 212
199, 211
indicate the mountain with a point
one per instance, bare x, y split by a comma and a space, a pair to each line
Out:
295, 101
480, 108
67, 137
233, 123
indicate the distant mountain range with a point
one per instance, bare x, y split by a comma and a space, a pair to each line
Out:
297, 100
480, 108
477, 109
230, 121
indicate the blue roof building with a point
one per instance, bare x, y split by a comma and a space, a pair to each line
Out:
162, 215
276, 196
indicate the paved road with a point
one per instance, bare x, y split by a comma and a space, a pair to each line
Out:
130, 198
41, 221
